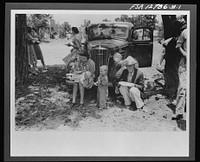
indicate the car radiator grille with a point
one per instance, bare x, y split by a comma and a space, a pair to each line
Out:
100, 57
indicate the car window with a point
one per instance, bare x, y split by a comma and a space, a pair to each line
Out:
103, 31
142, 34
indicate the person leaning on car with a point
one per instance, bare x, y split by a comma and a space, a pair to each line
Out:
133, 75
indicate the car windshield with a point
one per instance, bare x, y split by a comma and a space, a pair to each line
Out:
107, 31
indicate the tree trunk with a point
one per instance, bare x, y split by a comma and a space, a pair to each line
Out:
21, 56
167, 23
172, 59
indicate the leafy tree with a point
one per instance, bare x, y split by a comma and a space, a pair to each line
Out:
106, 20
82, 28
66, 27
160, 30
87, 23
63, 29
139, 20
39, 20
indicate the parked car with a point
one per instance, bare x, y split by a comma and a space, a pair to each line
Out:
107, 38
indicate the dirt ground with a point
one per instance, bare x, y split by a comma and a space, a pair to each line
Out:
44, 104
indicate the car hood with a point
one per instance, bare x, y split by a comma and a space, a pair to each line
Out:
108, 43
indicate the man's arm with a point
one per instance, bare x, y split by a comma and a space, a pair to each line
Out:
181, 39
119, 73
140, 82
182, 51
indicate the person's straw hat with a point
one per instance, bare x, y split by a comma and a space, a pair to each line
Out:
131, 61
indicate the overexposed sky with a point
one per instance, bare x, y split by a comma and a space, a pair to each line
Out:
78, 19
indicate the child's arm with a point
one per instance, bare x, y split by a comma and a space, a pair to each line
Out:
97, 82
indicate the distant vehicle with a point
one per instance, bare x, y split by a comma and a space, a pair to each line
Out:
107, 38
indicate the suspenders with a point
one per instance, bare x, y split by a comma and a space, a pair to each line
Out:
134, 75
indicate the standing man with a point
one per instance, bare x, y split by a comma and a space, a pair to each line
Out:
132, 75
182, 71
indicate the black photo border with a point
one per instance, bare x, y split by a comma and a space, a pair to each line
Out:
87, 6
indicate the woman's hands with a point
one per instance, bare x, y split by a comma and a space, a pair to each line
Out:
36, 40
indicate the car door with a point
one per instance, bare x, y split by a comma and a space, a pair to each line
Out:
141, 45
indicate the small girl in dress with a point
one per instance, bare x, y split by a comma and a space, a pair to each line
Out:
102, 90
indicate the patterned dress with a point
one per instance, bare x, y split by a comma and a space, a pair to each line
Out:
88, 72
32, 59
71, 57
37, 48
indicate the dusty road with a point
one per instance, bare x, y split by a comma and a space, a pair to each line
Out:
156, 117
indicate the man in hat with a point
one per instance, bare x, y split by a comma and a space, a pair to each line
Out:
133, 75
84, 67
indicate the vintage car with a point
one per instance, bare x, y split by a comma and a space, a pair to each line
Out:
107, 38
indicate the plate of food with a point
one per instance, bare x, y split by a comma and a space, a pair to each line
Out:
127, 84
79, 72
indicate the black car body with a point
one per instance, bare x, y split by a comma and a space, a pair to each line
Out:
107, 38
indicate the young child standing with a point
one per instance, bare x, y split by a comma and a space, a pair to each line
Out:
102, 90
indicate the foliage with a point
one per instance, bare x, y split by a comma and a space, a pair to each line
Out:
39, 20
139, 20
63, 29
82, 29
85, 24
106, 20
160, 30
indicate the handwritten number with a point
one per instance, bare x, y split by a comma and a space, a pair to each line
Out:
153, 7
165, 6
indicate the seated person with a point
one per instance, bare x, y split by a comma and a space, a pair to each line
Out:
83, 72
115, 67
133, 75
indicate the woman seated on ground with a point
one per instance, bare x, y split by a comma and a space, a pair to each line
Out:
84, 73
133, 92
